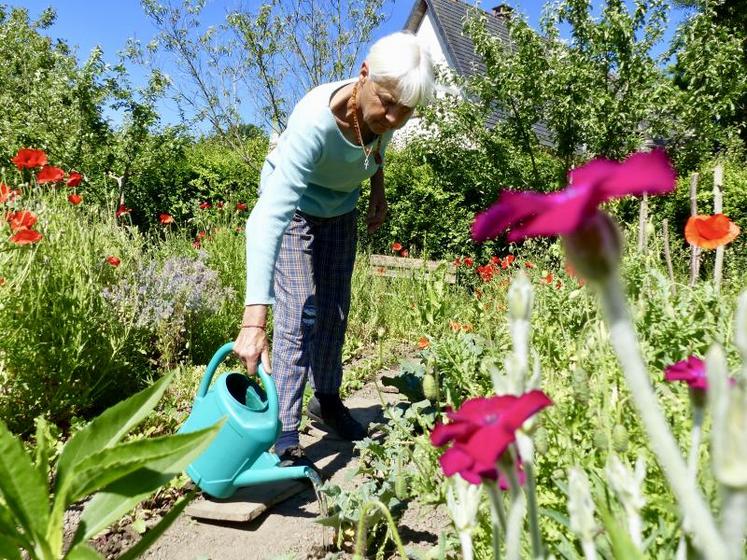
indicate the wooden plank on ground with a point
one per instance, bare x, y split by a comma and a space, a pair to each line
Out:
401, 267
252, 501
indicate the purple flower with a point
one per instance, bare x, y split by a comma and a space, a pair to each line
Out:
531, 214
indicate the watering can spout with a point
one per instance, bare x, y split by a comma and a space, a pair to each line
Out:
272, 474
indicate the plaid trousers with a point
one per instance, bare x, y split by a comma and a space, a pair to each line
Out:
312, 299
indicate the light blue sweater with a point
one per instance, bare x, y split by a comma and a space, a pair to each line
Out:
313, 168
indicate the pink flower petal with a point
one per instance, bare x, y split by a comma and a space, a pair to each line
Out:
489, 443
444, 433
510, 208
480, 410
592, 173
455, 460
643, 172
527, 406
568, 210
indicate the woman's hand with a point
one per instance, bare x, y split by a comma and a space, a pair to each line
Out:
251, 344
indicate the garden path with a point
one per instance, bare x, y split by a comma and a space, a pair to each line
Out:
287, 530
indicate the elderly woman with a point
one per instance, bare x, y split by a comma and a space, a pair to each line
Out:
301, 234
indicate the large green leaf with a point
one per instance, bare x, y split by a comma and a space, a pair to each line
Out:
152, 535
101, 469
25, 492
121, 496
109, 428
9, 548
83, 552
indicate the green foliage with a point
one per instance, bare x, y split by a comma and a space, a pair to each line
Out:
48, 101
64, 351
95, 461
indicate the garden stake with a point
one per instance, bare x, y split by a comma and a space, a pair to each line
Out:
668, 254
718, 208
694, 251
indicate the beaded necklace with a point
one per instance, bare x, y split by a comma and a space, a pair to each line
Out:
366, 151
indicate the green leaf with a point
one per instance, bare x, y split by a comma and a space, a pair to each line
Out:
121, 496
622, 545
9, 548
82, 552
152, 536
101, 469
25, 492
109, 428
41, 453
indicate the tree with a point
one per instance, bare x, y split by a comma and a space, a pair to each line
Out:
265, 59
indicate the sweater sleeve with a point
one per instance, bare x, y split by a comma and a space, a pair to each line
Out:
300, 148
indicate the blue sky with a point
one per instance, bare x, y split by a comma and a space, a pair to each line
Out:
84, 24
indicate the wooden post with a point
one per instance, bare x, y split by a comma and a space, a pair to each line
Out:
718, 208
668, 252
694, 251
642, 219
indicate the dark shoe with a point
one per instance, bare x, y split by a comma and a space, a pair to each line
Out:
294, 456
336, 417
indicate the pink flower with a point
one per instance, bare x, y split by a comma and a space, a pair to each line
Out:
690, 370
481, 430
531, 214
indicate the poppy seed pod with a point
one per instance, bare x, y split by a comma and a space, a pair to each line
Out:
620, 438
595, 249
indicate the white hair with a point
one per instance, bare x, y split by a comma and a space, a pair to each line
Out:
403, 60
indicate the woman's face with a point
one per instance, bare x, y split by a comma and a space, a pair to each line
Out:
381, 109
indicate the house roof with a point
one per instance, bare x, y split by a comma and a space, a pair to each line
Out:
447, 17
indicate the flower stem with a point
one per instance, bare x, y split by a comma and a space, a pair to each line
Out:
625, 344
515, 514
590, 551
692, 468
531, 492
734, 521
497, 515
466, 541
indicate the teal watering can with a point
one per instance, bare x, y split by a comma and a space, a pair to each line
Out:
238, 456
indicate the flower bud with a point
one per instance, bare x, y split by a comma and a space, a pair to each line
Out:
595, 249
430, 389
520, 297
581, 505
600, 439
580, 385
540, 440
620, 439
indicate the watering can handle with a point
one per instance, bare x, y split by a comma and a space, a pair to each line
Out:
267, 382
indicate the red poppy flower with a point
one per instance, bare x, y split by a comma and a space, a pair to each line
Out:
529, 264
28, 158
7, 194
122, 210
201, 234
196, 244
457, 262
404, 253
494, 260
205, 205
50, 174
219, 205
114, 261
468, 262
20, 220
241, 206
396, 247
486, 272
74, 199
74, 179
165, 218
510, 259
423, 343
26, 237
548, 278
709, 232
